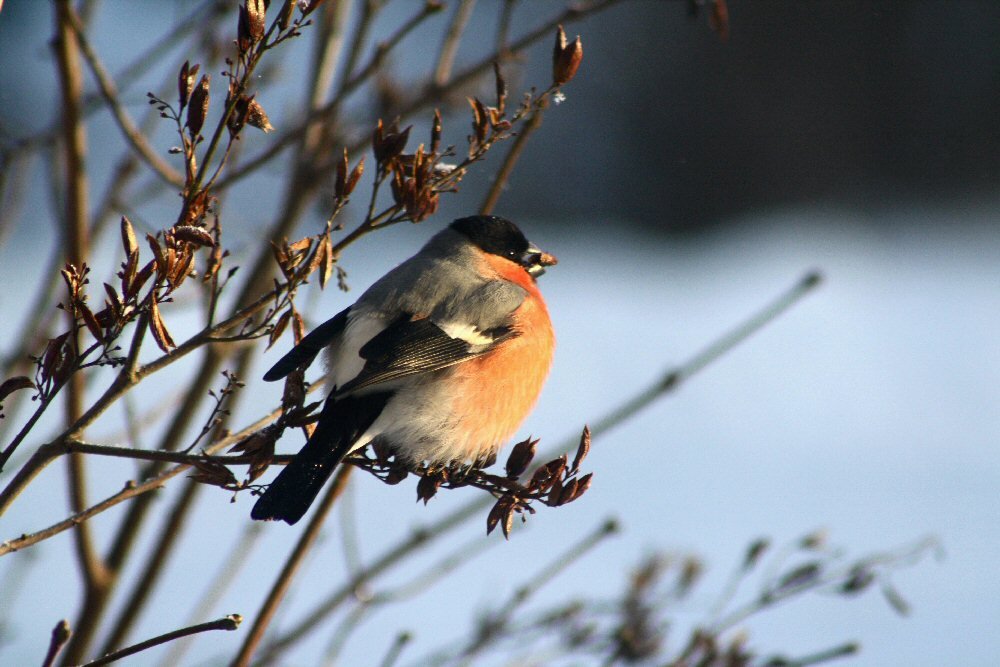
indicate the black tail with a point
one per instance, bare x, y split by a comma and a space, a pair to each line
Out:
295, 488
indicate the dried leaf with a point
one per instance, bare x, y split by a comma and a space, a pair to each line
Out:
96, 330
582, 450
214, 473
568, 492
520, 457
548, 474
157, 328
198, 109
501, 87
326, 261
257, 117
427, 487
298, 327
279, 328
508, 522
355, 176
340, 184
500, 510
256, 18
158, 255
583, 485
140, 279
285, 15
128, 237
567, 62
436, 129
185, 82
196, 235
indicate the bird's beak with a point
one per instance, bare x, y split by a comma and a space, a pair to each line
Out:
535, 260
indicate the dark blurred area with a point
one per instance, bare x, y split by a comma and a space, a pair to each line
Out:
836, 103
856, 104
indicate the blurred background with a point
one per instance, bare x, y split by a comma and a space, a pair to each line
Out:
685, 181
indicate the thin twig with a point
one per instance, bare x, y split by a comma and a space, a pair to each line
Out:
228, 572
228, 623
430, 95
429, 534
60, 635
131, 490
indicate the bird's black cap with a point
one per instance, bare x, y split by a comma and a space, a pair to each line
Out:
493, 234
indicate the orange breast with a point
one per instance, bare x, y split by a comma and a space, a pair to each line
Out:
494, 393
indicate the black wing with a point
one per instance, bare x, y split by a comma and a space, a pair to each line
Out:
304, 353
407, 347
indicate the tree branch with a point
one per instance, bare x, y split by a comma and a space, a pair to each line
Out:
228, 623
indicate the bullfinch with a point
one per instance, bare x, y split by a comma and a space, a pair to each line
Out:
441, 360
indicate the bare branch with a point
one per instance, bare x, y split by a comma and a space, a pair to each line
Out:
228, 623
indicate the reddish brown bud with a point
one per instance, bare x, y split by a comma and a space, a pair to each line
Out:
566, 58
256, 11
520, 457
389, 143
185, 82
256, 117
199, 106
285, 15
436, 132
195, 235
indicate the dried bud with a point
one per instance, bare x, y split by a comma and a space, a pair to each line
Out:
427, 487
503, 511
185, 82
582, 450
520, 457
285, 15
256, 18
199, 106
389, 143
565, 58
195, 235
128, 237
436, 132
256, 117
159, 329
501, 86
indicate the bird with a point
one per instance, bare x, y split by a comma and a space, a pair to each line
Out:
441, 360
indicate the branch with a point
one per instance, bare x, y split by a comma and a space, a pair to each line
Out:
60, 635
131, 490
431, 93
229, 623
629, 407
